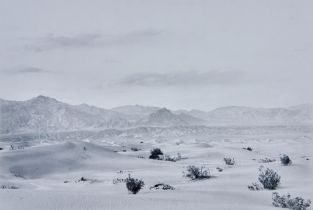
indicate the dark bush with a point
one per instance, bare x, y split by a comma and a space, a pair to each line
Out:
247, 148
229, 161
269, 178
82, 179
134, 149
254, 186
285, 160
134, 185
286, 201
11, 187
194, 172
155, 153
162, 186
219, 169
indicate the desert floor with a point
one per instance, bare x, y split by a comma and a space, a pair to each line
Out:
47, 174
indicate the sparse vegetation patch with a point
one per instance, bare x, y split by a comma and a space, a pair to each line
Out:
269, 178
196, 173
254, 186
162, 186
134, 185
285, 201
229, 161
285, 160
155, 154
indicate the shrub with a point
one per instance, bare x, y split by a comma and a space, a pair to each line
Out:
286, 201
194, 172
169, 158
174, 158
248, 148
267, 160
254, 186
269, 178
219, 169
134, 185
82, 179
155, 153
11, 187
285, 160
162, 186
119, 180
134, 149
229, 161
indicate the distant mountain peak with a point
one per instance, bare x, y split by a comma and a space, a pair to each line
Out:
164, 116
43, 99
164, 111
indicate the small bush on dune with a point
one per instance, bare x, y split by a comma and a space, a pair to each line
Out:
267, 160
11, 187
82, 179
194, 172
134, 149
134, 185
169, 158
286, 201
269, 178
155, 153
229, 161
254, 186
119, 180
219, 169
285, 160
247, 148
162, 186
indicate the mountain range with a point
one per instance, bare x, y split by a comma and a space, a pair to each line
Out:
45, 114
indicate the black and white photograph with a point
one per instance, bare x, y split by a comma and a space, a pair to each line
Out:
156, 104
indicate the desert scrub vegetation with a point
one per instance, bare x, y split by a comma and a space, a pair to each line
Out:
161, 186
196, 173
119, 180
169, 158
268, 178
285, 160
155, 154
267, 160
247, 148
173, 158
11, 187
134, 185
254, 186
285, 201
134, 149
229, 161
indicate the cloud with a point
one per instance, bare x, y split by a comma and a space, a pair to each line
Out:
94, 40
26, 70
188, 78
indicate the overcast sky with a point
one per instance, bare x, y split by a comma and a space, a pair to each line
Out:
171, 53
